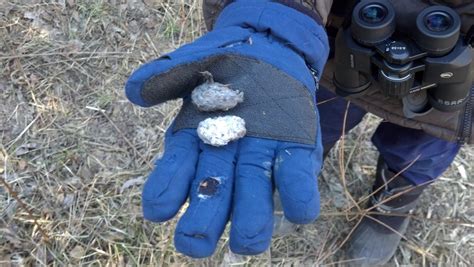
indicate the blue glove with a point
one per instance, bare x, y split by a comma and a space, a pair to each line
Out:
274, 54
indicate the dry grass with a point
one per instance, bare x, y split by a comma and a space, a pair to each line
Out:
76, 151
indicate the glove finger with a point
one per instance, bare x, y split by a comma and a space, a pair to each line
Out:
295, 171
167, 187
252, 214
202, 224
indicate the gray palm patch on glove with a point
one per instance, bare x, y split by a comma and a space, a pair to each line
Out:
276, 105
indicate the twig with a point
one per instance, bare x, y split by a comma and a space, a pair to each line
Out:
344, 241
126, 139
411, 216
323, 246
342, 168
23, 132
2, 57
22, 204
386, 183
392, 197
326, 101
417, 248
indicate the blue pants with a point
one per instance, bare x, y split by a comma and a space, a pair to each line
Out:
398, 146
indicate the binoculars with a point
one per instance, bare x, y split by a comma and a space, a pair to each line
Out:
427, 68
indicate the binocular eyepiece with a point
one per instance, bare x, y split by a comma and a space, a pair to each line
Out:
431, 61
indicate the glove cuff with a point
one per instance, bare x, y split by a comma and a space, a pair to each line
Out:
303, 9
319, 13
293, 28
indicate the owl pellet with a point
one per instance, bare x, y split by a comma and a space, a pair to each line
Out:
220, 131
214, 96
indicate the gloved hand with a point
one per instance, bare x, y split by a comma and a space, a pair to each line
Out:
270, 52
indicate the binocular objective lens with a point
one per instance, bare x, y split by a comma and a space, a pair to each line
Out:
373, 13
438, 21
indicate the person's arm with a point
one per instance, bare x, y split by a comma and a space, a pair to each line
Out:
275, 55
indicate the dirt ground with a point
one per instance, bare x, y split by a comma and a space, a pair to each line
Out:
75, 153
